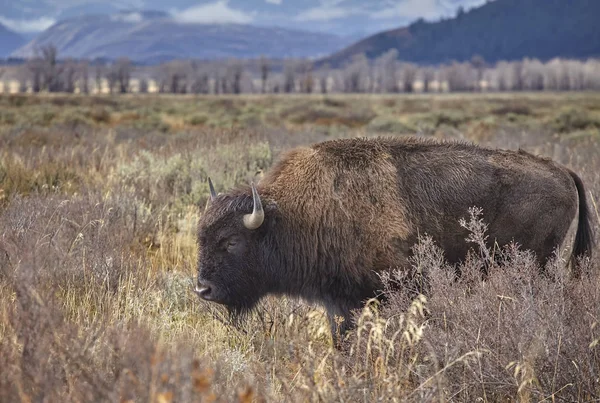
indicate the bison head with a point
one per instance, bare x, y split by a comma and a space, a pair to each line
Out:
231, 241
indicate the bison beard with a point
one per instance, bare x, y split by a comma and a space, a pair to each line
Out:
327, 220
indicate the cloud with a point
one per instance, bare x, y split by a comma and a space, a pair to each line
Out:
428, 9
218, 12
127, 17
277, 2
327, 11
409, 9
35, 25
62, 4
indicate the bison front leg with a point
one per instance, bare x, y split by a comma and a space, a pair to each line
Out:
340, 322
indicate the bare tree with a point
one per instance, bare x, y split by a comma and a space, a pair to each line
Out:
44, 70
356, 73
122, 74
478, 63
533, 75
517, 76
84, 77
51, 69
100, 72
68, 76
591, 70
234, 74
576, 73
194, 78
36, 69
384, 74
176, 76
23, 85
457, 76
264, 73
428, 74
182, 82
289, 76
201, 84
4, 83
143, 85
409, 74
503, 75
219, 83
306, 80
161, 75
386, 71
324, 78
557, 79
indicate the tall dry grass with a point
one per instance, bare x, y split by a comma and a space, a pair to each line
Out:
97, 258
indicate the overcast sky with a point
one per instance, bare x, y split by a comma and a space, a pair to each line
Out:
337, 16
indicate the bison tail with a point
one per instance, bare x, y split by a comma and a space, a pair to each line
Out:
584, 239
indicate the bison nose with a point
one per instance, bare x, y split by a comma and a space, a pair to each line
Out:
204, 291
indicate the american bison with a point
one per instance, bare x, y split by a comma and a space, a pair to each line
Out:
325, 221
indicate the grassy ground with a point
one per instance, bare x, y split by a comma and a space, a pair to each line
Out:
99, 198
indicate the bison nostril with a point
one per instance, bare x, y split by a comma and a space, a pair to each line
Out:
203, 291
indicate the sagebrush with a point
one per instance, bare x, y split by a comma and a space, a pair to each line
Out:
98, 215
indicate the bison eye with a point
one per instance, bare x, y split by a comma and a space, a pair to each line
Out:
228, 244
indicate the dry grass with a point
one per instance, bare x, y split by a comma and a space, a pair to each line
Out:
99, 199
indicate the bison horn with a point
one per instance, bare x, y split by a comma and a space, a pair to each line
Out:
255, 220
213, 194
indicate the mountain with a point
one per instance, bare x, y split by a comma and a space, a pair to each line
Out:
9, 41
338, 17
155, 36
498, 30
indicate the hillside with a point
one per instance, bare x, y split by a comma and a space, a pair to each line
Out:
498, 30
9, 41
153, 37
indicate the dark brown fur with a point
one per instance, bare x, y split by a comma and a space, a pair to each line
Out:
339, 213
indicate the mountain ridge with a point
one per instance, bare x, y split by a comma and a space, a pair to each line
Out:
342, 18
497, 30
149, 36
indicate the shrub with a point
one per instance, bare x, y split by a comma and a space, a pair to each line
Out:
387, 125
197, 120
573, 119
448, 118
181, 179
100, 115
7, 117
51, 176
512, 109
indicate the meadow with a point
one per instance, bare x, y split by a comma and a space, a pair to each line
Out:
99, 200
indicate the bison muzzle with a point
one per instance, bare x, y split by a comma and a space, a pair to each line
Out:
325, 221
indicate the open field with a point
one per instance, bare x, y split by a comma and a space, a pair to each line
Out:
99, 198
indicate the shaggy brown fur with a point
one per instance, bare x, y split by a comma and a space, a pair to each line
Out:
339, 213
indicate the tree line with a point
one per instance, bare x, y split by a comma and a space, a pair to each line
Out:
385, 74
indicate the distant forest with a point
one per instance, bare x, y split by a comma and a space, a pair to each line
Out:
384, 74
498, 30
